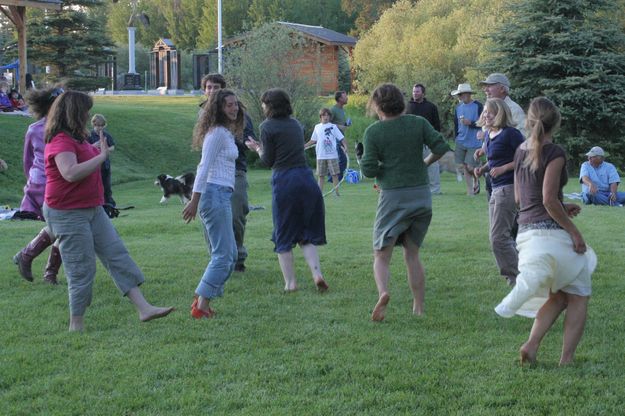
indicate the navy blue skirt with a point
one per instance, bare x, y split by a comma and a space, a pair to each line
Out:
297, 209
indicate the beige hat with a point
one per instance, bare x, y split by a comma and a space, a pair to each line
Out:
462, 88
596, 151
496, 78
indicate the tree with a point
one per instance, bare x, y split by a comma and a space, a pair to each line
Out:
326, 13
281, 50
433, 42
367, 12
571, 51
147, 35
71, 42
234, 20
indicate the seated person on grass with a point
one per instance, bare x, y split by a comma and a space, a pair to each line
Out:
325, 135
600, 180
17, 101
5, 101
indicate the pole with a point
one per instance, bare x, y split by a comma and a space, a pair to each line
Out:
131, 50
219, 43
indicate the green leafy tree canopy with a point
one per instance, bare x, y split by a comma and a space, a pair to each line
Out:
572, 51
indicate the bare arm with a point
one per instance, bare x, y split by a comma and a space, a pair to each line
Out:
591, 186
431, 158
72, 171
499, 170
555, 208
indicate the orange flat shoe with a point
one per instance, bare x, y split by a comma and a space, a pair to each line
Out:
198, 313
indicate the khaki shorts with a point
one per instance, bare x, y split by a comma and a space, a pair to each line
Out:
325, 166
464, 155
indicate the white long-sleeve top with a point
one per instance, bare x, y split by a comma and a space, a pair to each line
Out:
218, 155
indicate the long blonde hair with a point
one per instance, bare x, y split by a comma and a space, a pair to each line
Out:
543, 118
213, 115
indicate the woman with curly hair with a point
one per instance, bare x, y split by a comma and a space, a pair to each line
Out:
220, 122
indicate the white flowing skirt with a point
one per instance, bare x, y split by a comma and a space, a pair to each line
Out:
547, 263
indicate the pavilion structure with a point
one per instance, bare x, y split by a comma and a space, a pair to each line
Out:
15, 10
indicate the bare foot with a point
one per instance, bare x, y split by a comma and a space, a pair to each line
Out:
76, 324
417, 309
380, 308
155, 313
321, 284
527, 355
565, 361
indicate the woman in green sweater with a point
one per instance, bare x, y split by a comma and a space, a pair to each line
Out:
394, 157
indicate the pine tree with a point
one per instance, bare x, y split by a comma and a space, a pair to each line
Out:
571, 51
71, 41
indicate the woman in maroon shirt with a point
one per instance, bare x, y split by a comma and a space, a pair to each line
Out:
555, 264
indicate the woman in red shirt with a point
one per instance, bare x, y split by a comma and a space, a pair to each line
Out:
73, 210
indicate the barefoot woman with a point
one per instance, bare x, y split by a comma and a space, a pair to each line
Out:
74, 213
393, 155
554, 262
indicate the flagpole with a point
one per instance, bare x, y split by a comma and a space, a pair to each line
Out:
219, 43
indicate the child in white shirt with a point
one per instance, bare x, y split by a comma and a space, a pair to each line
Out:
325, 136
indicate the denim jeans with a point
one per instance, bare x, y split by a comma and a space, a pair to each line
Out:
603, 198
502, 212
216, 213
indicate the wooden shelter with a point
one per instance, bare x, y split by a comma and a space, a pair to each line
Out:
15, 10
320, 61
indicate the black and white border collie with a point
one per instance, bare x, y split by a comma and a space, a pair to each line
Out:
181, 185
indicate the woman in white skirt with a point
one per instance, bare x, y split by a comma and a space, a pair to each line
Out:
555, 265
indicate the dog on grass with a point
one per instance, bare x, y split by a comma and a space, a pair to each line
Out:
181, 186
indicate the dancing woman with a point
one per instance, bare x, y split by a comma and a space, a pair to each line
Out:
555, 265
220, 122
297, 204
394, 156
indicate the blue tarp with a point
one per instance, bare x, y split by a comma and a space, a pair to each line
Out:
13, 65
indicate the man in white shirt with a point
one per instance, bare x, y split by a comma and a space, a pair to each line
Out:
498, 86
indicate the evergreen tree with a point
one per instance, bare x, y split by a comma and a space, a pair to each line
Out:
571, 51
71, 41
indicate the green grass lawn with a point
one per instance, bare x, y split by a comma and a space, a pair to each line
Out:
302, 353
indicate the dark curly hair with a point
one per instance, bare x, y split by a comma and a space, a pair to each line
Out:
40, 101
213, 115
388, 99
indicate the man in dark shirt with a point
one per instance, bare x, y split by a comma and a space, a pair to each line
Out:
420, 106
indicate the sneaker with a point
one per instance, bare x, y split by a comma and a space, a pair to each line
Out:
239, 268
511, 281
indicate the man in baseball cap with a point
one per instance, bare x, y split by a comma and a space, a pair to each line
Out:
600, 180
497, 85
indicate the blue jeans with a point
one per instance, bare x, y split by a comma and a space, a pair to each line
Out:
603, 198
216, 212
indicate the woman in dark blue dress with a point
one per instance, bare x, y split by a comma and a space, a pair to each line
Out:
297, 203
